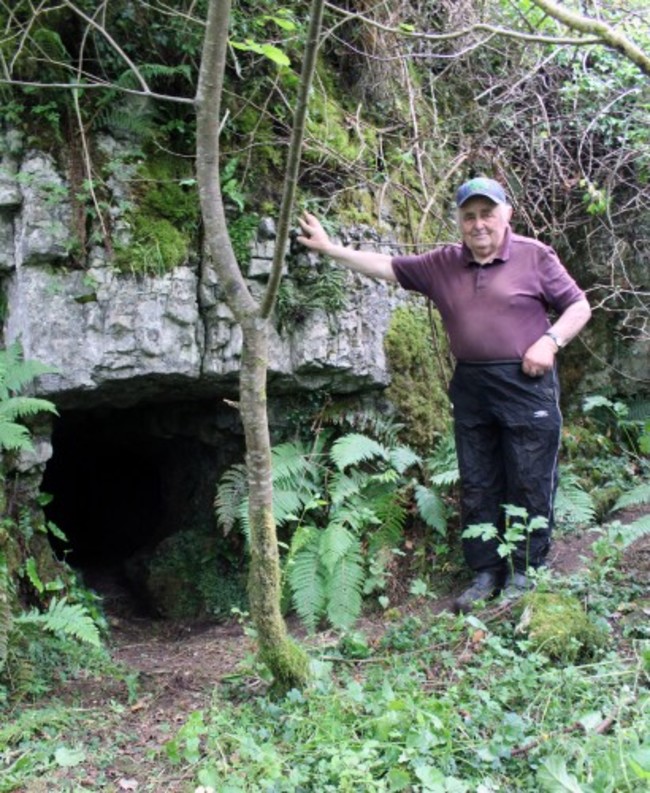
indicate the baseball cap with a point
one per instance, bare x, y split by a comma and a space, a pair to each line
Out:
481, 186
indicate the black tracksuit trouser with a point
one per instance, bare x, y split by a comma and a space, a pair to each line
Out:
507, 428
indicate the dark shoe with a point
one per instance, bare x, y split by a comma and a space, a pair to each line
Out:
485, 586
516, 585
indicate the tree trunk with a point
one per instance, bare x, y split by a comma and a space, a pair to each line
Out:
287, 662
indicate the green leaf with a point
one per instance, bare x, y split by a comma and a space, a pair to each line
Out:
355, 448
68, 758
32, 574
486, 531
63, 617
335, 543
432, 508
269, 51
402, 458
639, 762
553, 777
345, 587
637, 496
307, 583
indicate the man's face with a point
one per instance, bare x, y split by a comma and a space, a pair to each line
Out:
483, 226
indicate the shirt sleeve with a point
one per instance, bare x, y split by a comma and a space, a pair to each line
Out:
559, 288
415, 273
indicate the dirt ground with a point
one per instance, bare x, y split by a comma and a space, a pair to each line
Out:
178, 666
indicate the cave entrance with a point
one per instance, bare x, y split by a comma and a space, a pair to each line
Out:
123, 480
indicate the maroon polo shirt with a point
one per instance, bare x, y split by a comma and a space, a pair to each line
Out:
494, 311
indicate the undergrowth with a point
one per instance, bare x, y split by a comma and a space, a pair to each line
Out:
442, 703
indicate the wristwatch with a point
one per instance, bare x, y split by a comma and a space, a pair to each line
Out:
559, 343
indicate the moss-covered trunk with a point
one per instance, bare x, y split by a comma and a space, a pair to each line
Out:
286, 660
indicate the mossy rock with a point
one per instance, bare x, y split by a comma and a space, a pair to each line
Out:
185, 578
558, 626
419, 374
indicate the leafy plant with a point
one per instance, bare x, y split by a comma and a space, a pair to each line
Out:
342, 502
15, 374
518, 528
636, 496
614, 416
69, 619
574, 506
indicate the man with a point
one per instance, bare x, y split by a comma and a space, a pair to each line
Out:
493, 292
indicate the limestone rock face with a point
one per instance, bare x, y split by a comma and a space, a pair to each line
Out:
117, 338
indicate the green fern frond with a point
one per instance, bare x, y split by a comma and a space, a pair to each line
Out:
402, 458
14, 436
573, 504
287, 504
290, 462
342, 487
19, 407
635, 530
335, 543
354, 448
231, 492
152, 71
139, 122
365, 420
446, 478
392, 518
633, 498
624, 534
308, 583
16, 373
345, 587
50, 45
432, 508
62, 617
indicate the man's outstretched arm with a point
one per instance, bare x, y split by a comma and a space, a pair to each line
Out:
374, 265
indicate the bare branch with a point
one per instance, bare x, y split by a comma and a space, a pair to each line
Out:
607, 34
479, 27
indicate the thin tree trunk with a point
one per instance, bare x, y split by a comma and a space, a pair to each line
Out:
287, 662
285, 659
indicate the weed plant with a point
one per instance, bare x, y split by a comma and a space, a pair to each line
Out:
446, 703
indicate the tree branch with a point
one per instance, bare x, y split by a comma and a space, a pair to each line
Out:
608, 36
491, 30
293, 160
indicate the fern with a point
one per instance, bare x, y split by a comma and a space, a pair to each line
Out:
15, 374
231, 492
432, 508
391, 512
307, 581
573, 504
335, 543
635, 530
402, 458
633, 498
353, 449
65, 618
345, 586
627, 533
342, 488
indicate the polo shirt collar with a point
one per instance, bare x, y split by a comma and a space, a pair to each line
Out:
502, 255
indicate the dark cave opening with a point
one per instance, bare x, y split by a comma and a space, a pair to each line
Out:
123, 480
